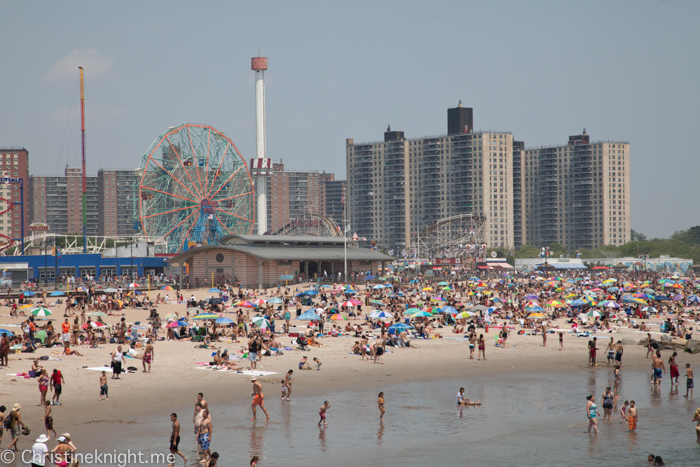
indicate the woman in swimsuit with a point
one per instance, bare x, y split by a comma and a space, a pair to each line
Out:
482, 347
696, 418
43, 386
472, 344
608, 401
591, 412
616, 379
380, 403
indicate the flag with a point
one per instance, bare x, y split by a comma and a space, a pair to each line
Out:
347, 228
391, 252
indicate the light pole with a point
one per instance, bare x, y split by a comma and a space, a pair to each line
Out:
131, 269
345, 237
46, 263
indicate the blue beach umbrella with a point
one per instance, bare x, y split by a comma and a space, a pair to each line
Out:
57, 293
309, 316
224, 320
214, 290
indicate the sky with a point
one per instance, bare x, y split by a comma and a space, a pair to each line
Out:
544, 70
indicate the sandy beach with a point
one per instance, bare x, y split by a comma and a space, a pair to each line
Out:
176, 378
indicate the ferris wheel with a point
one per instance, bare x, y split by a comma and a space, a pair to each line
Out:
193, 188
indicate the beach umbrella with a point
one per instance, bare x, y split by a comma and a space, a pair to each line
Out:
206, 316
479, 308
376, 302
338, 317
650, 309
134, 285
608, 304
57, 293
378, 286
213, 290
167, 287
6, 331
694, 299
349, 291
578, 302
531, 297
171, 324
93, 324
593, 314
437, 299
379, 314
433, 310
422, 314
259, 302
399, 327
245, 304
326, 286
41, 312
98, 313
309, 316
260, 321
107, 290
224, 320
411, 311
536, 316
649, 291
449, 309
676, 297
464, 315
661, 298
170, 315
613, 289
534, 309
310, 293
355, 302
427, 289
556, 304
349, 303
28, 293
275, 300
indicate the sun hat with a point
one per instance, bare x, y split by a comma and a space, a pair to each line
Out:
61, 439
66, 435
253, 378
16, 407
42, 438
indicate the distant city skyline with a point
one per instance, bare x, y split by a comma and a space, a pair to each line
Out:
542, 69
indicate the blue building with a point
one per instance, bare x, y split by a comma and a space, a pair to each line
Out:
43, 267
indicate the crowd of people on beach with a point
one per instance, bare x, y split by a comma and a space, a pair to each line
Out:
387, 314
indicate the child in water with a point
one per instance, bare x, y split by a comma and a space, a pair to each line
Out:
322, 412
284, 389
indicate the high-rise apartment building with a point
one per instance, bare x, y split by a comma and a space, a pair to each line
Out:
15, 163
332, 192
400, 186
58, 202
115, 200
577, 195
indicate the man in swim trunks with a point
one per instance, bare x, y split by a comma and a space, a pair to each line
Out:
632, 417
148, 355
659, 368
205, 435
258, 398
175, 439
618, 353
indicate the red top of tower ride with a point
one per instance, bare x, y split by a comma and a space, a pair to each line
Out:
258, 63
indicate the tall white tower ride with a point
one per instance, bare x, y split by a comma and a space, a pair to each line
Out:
260, 166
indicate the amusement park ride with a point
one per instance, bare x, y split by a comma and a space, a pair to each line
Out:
5, 241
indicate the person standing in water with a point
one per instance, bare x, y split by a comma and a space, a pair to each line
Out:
632, 417
611, 351
673, 368
322, 412
380, 403
607, 402
616, 379
696, 418
258, 398
591, 413
689, 384
175, 439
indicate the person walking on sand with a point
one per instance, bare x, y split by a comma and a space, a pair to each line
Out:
148, 356
482, 347
380, 403
591, 413
258, 398
104, 389
544, 335
689, 384
205, 435
288, 380
632, 417
117, 358
322, 413
16, 422
175, 440
48, 420
57, 382
561, 340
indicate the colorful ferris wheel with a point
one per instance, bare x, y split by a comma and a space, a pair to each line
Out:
193, 189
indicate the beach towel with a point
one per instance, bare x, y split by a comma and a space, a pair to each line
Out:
99, 368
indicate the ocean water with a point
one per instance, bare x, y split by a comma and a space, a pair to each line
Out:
523, 420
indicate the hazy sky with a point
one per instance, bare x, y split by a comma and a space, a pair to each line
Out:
624, 70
